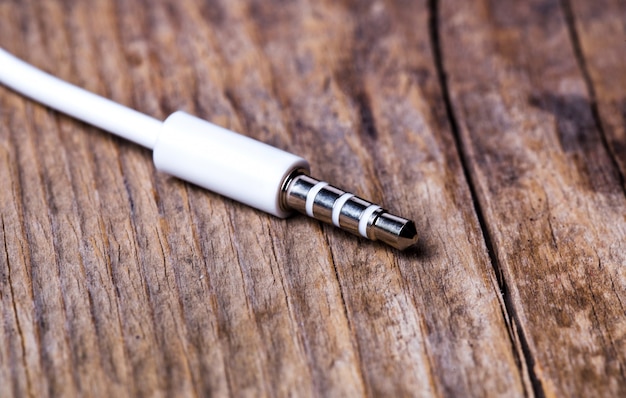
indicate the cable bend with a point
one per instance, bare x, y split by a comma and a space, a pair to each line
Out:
77, 102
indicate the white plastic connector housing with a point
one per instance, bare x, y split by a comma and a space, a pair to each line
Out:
225, 162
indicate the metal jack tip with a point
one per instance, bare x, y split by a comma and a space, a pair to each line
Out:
329, 204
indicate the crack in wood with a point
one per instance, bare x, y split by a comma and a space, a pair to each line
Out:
570, 23
525, 361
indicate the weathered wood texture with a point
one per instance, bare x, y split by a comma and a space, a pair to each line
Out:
547, 186
498, 126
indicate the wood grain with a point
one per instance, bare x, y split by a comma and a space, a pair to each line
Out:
493, 124
546, 185
598, 33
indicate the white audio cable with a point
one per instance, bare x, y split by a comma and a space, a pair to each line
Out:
215, 158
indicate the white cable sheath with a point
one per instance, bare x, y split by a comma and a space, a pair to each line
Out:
225, 162
76, 102
185, 146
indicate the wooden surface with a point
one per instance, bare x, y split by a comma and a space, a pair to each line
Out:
499, 126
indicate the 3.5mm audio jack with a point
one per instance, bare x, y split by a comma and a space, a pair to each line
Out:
329, 204
210, 156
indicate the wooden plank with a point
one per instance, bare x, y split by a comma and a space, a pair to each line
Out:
548, 189
599, 31
117, 280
